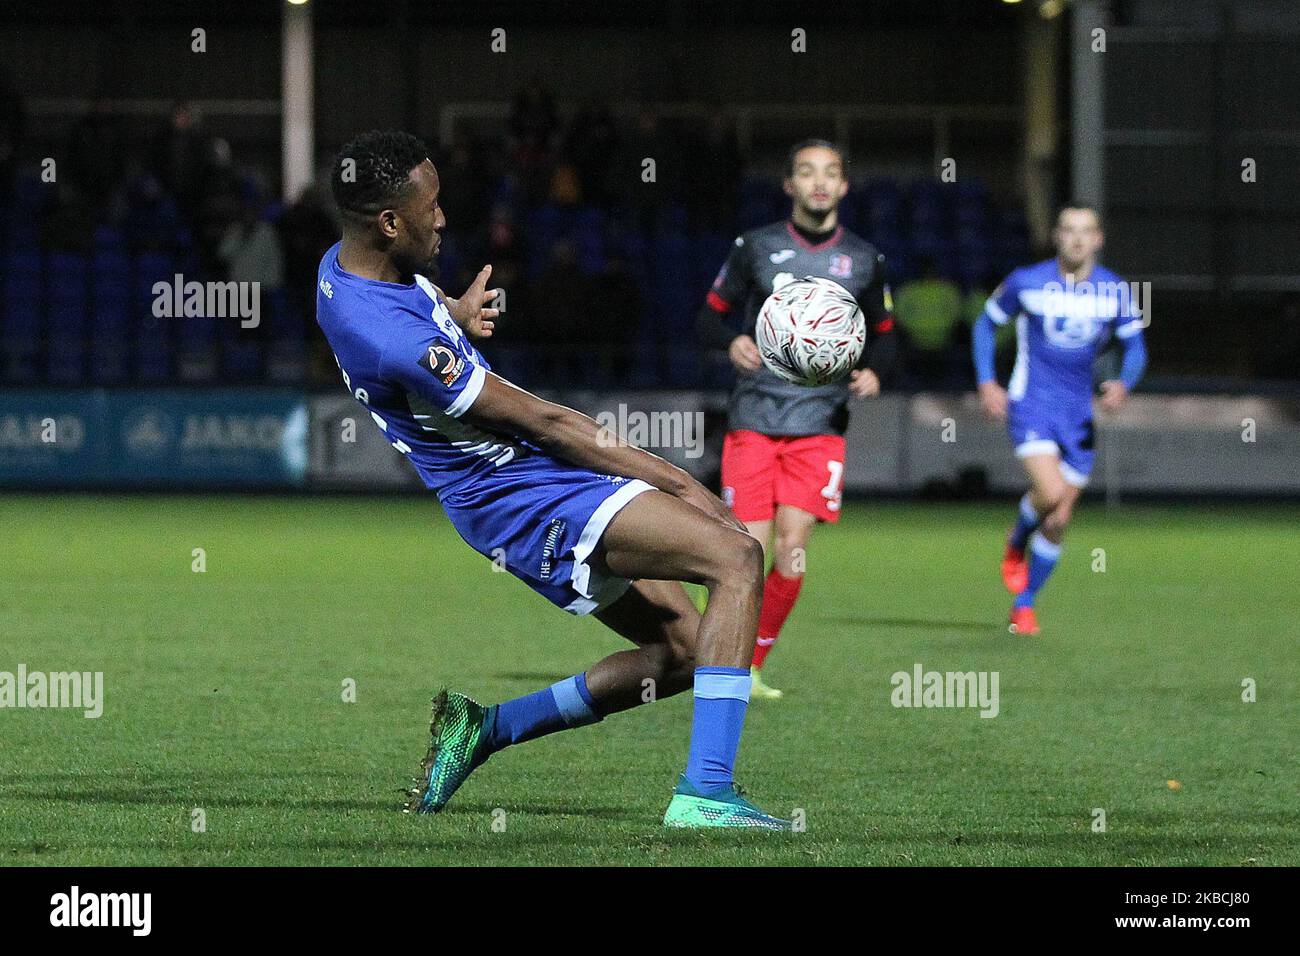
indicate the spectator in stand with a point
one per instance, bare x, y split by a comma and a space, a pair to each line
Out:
250, 251
592, 147
615, 320
465, 194
646, 199
97, 154
929, 313
307, 229
563, 299
181, 156
532, 125
715, 173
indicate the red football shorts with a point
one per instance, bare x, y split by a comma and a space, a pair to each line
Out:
760, 472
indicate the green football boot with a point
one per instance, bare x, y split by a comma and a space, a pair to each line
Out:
721, 808
759, 690
456, 748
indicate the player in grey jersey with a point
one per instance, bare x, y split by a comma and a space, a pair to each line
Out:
783, 456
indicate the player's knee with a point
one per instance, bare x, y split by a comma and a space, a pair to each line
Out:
1047, 500
681, 652
739, 559
1054, 525
790, 546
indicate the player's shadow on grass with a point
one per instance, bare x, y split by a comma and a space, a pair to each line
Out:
913, 623
528, 809
160, 798
532, 676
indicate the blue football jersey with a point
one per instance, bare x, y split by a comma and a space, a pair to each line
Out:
406, 360
413, 368
1061, 326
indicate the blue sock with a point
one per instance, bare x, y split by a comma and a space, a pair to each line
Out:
721, 696
564, 704
1026, 522
1043, 555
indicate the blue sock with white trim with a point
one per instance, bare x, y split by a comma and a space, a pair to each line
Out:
1027, 522
564, 704
1043, 555
721, 697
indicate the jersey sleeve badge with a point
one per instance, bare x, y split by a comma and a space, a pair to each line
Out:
444, 364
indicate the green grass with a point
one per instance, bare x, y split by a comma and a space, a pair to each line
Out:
224, 692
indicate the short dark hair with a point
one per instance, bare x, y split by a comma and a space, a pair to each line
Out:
809, 144
373, 171
1078, 204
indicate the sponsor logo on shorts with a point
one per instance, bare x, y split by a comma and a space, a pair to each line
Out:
548, 549
444, 363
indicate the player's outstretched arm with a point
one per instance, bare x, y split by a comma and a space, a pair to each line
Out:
580, 440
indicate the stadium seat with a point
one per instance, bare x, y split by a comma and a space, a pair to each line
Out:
710, 252
23, 326
152, 335
286, 359
66, 304
110, 316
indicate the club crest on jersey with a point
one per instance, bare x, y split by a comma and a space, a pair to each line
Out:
841, 265
445, 364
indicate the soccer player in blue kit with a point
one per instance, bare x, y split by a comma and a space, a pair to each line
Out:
592, 524
1065, 309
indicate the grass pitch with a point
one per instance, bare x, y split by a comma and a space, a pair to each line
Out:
224, 694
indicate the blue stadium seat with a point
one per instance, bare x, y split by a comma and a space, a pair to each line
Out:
66, 304
709, 253
110, 316
153, 335
588, 237
23, 321
286, 360
241, 351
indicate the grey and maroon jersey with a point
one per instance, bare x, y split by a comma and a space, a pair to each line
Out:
762, 260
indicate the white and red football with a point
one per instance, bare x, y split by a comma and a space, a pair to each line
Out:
811, 331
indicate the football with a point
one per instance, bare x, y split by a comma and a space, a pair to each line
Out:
810, 331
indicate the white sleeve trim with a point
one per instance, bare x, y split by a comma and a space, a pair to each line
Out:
994, 312
1130, 329
469, 393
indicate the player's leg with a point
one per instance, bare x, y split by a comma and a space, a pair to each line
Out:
1052, 498
748, 480
809, 486
660, 541
659, 617
782, 586
656, 615
660, 537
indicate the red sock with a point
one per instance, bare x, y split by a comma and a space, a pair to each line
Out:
779, 595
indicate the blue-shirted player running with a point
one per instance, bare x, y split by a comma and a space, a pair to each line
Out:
1065, 310
591, 524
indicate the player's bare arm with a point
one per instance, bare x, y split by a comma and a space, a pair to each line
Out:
580, 440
